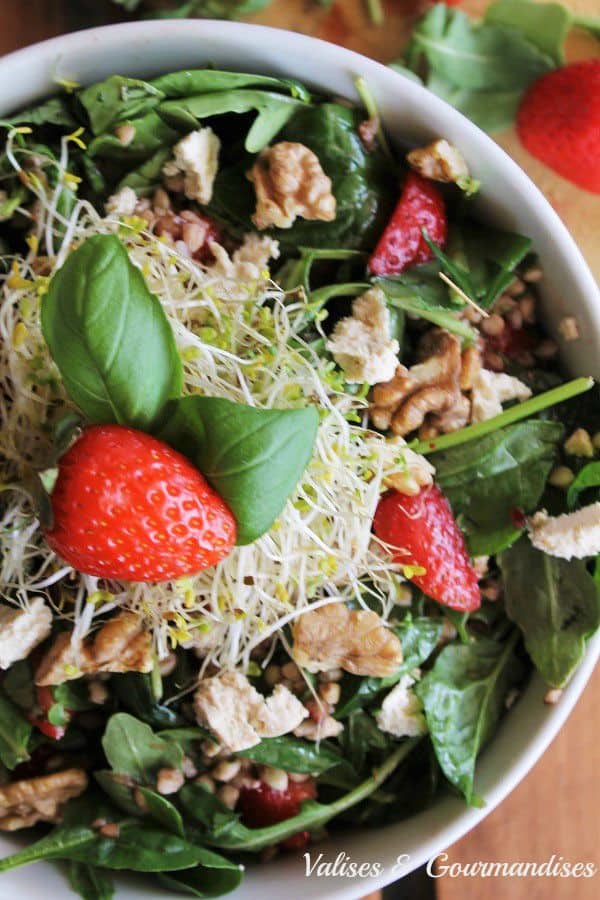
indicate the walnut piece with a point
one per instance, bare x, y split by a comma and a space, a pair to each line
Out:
23, 803
290, 182
121, 645
428, 390
356, 640
239, 716
440, 161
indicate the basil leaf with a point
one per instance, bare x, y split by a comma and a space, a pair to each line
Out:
555, 603
588, 477
14, 734
137, 849
96, 318
463, 696
293, 755
109, 102
132, 748
90, 882
545, 25
485, 480
252, 457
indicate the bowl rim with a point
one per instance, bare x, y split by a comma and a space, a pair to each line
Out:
48, 51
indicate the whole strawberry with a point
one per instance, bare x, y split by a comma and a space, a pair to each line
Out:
127, 506
428, 539
559, 122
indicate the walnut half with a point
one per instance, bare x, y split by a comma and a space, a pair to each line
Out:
121, 645
23, 803
336, 637
290, 182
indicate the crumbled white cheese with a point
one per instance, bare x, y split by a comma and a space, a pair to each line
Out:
197, 157
250, 262
22, 629
362, 345
575, 534
401, 712
491, 390
123, 203
239, 716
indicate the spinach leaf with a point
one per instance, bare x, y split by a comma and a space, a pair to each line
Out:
419, 637
360, 183
117, 99
545, 25
463, 696
482, 68
186, 736
204, 882
148, 175
361, 736
244, 453
18, 684
151, 134
90, 882
160, 808
137, 849
484, 481
134, 690
294, 755
588, 477
190, 82
54, 111
273, 111
14, 734
555, 603
221, 827
417, 292
109, 336
132, 748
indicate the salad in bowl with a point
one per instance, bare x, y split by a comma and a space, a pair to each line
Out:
295, 493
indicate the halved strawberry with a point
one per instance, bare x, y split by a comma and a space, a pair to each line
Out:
127, 506
264, 805
426, 536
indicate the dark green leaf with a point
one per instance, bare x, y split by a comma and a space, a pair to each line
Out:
186, 736
244, 453
151, 134
135, 693
202, 882
588, 477
149, 175
18, 684
159, 808
190, 82
55, 111
132, 748
97, 315
116, 99
555, 603
422, 293
463, 696
361, 736
485, 480
90, 882
14, 734
294, 755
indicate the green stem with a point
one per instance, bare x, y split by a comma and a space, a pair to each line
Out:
589, 23
364, 92
314, 815
375, 11
514, 414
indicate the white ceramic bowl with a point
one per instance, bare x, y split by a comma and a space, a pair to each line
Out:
508, 198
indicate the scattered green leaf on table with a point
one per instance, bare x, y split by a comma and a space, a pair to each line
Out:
545, 25
556, 604
245, 453
110, 337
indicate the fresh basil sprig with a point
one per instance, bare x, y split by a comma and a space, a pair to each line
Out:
252, 457
555, 603
110, 337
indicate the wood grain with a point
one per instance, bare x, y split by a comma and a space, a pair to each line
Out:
555, 810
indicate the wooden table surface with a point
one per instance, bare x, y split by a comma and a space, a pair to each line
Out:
555, 809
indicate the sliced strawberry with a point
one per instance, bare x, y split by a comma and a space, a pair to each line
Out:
559, 122
401, 245
427, 537
264, 805
129, 507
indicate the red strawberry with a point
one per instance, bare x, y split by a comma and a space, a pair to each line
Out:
424, 530
128, 506
264, 805
402, 244
45, 701
559, 122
